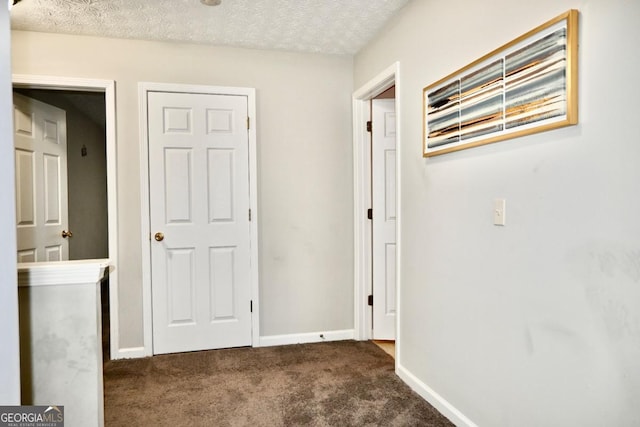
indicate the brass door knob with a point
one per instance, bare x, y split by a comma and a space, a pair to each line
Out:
159, 237
66, 234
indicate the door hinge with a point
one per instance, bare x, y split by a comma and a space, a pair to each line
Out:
251, 306
370, 300
248, 123
369, 126
369, 213
249, 215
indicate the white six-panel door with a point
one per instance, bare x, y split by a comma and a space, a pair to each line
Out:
40, 139
384, 218
199, 218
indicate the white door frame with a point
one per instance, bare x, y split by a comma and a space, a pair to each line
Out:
109, 89
362, 192
250, 93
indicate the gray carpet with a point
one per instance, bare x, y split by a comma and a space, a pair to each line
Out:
345, 383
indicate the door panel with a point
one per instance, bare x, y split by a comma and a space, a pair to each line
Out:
178, 185
384, 218
53, 253
221, 262
52, 172
199, 200
181, 286
41, 180
220, 197
25, 188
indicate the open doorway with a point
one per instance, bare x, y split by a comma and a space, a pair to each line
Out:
383, 219
86, 168
95, 99
363, 188
86, 161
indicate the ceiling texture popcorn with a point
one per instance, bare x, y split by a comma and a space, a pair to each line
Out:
319, 26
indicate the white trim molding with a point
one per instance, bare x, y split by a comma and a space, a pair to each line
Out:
61, 273
108, 87
437, 401
306, 338
132, 353
143, 89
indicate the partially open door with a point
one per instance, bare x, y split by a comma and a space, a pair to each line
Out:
384, 218
42, 215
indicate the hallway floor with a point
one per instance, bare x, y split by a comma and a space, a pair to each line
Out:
388, 346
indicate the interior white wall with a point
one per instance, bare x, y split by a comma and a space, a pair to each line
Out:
304, 162
9, 350
87, 183
538, 322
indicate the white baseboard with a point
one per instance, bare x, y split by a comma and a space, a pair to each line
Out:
437, 401
266, 341
310, 337
129, 353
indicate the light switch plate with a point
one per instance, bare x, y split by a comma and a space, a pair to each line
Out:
499, 211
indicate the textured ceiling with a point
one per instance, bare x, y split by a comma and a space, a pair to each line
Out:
322, 26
